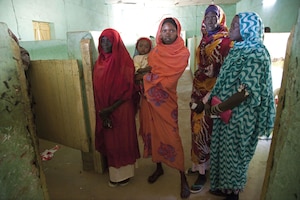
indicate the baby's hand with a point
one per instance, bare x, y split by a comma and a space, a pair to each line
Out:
138, 77
144, 70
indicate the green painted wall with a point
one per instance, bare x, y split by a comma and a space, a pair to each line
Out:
19, 167
284, 176
64, 16
47, 49
132, 21
281, 16
93, 15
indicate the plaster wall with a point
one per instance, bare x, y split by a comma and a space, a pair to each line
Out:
20, 174
46, 49
280, 16
284, 175
64, 16
132, 21
77, 15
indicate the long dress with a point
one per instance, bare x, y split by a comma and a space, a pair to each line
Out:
159, 108
210, 55
233, 145
113, 80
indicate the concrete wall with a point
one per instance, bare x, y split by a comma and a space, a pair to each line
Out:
132, 21
46, 49
64, 15
282, 180
18, 170
280, 16
21, 176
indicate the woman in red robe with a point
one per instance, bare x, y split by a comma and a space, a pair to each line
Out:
113, 80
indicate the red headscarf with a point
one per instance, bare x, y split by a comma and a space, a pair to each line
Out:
143, 38
113, 72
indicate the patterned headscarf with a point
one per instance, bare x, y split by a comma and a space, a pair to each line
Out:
213, 8
251, 30
221, 18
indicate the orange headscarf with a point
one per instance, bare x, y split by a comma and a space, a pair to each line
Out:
160, 111
168, 60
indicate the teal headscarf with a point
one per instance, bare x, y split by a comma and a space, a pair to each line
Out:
251, 30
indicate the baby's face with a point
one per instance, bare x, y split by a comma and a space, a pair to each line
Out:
143, 47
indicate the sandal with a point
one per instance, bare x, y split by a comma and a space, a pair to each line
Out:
196, 188
124, 182
112, 184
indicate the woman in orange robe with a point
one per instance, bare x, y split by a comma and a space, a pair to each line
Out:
159, 108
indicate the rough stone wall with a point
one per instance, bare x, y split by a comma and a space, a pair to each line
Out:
282, 180
20, 174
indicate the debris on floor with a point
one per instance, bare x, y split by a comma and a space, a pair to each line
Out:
49, 153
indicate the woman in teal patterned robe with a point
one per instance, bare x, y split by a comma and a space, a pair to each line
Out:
244, 86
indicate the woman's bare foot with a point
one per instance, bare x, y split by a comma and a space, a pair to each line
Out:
158, 172
185, 190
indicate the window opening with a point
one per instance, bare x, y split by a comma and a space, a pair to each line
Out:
41, 30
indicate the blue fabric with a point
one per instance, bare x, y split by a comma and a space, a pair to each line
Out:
251, 29
213, 8
214, 32
233, 145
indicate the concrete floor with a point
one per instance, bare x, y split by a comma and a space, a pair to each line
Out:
67, 181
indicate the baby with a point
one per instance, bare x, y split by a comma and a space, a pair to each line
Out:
140, 59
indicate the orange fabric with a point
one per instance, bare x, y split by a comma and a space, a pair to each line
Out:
159, 109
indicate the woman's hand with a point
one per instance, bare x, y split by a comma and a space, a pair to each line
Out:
197, 107
107, 123
105, 113
105, 117
138, 77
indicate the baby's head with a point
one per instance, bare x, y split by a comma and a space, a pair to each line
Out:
143, 46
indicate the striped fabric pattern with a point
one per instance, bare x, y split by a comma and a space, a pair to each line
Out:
233, 145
